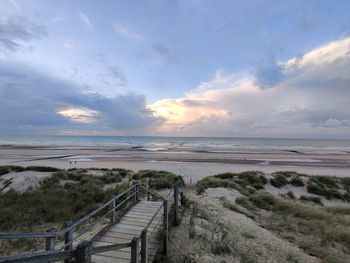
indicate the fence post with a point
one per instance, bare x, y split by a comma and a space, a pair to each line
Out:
113, 204
50, 241
136, 191
134, 250
68, 240
144, 246
84, 252
165, 227
176, 205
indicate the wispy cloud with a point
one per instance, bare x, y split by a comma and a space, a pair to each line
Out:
85, 20
128, 33
57, 19
15, 31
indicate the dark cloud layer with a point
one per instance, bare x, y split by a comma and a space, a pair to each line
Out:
31, 100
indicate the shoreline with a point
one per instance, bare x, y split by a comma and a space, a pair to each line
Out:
192, 163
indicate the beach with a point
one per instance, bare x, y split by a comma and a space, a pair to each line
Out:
193, 162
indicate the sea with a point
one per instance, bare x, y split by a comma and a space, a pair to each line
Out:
163, 143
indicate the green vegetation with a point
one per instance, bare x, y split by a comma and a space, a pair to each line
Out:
158, 179
313, 199
66, 195
14, 168
296, 181
316, 229
238, 181
326, 186
279, 180
291, 195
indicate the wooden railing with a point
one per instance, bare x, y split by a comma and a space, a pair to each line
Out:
82, 253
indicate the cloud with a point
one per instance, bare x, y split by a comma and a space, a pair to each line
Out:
85, 20
15, 31
128, 33
57, 19
165, 52
114, 76
39, 103
311, 98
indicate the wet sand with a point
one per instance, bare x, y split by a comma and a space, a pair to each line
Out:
192, 163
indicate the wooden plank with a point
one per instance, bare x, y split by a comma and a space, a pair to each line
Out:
104, 259
120, 235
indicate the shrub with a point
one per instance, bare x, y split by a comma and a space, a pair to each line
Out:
325, 182
111, 177
291, 195
296, 181
279, 180
4, 170
238, 181
42, 169
159, 179
212, 182
313, 199
263, 200
316, 189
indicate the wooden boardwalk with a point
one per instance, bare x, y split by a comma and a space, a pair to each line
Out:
137, 231
130, 226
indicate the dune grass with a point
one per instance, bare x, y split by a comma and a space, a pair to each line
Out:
321, 232
238, 181
158, 179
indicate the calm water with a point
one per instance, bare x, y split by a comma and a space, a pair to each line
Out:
171, 142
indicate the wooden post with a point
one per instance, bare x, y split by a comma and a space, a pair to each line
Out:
135, 250
113, 204
136, 191
144, 246
68, 241
165, 227
50, 241
84, 252
176, 205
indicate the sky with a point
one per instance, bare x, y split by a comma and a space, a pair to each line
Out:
252, 68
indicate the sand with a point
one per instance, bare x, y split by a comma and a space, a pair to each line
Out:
193, 164
242, 238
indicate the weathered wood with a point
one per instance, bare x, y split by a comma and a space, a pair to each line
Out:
112, 216
84, 252
135, 250
144, 246
26, 235
68, 240
106, 259
105, 248
38, 257
165, 229
50, 241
